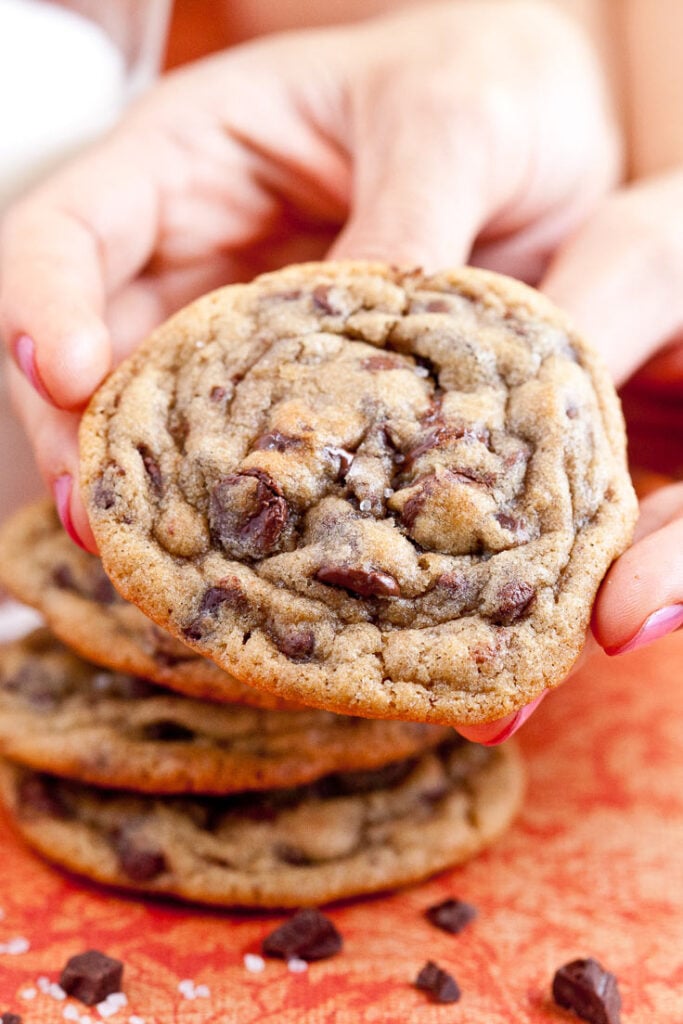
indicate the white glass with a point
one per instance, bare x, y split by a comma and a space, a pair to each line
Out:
67, 70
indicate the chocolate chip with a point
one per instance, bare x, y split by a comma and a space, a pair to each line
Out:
212, 599
440, 985
588, 990
274, 441
513, 602
292, 855
119, 686
366, 781
328, 298
297, 644
438, 306
104, 489
91, 976
247, 514
308, 935
40, 795
451, 915
152, 468
365, 582
376, 364
10, 1018
98, 587
136, 855
167, 731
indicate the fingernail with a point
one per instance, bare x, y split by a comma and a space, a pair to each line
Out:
62, 487
25, 355
505, 727
661, 622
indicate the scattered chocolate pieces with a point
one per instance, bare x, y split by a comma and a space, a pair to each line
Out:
308, 935
589, 991
440, 985
451, 915
91, 976
10, 1018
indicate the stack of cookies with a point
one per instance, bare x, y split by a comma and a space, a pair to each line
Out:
340, 491
244, 800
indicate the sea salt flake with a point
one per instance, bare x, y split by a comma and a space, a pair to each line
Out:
365, 505
202, 992
134, 1019
421, 371
117, 999
18, 945
296, 965
107, 1009
28, 993
254, 963
43, 984
56, 991
71, 1013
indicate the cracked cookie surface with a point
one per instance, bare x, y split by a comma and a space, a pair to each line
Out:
374, 491
347, 834
61, 714
43, 568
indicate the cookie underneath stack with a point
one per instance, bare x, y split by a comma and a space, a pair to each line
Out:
114, 775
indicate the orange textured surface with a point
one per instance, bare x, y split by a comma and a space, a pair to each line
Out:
593, 867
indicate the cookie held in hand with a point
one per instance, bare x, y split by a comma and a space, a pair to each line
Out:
370, 490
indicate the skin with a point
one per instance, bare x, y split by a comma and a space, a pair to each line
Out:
296, 146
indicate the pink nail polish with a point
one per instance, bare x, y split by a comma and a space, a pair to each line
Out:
506, 727
25, 355
61, 491
665, 620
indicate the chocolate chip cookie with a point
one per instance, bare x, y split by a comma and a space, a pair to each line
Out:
346, 834
61, 714
375, 491
40, 566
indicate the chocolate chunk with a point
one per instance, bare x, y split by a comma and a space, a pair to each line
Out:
308, 935
440, 985
340, 458
167, 731
63, 577
365, 582
137, 857
40, 795
38, 686
514, 601
10, 1018
102, 589
91, 976
451, 915
217, 393
588, 990
247, 514
296, 644
276, 442
152, 468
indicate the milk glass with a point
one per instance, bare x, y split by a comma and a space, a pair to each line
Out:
67, 70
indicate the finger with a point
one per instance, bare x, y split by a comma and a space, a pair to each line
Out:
621, 277
54, 437
492, 733
641, 598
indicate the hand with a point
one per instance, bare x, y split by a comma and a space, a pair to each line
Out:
483, 126
622, 279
